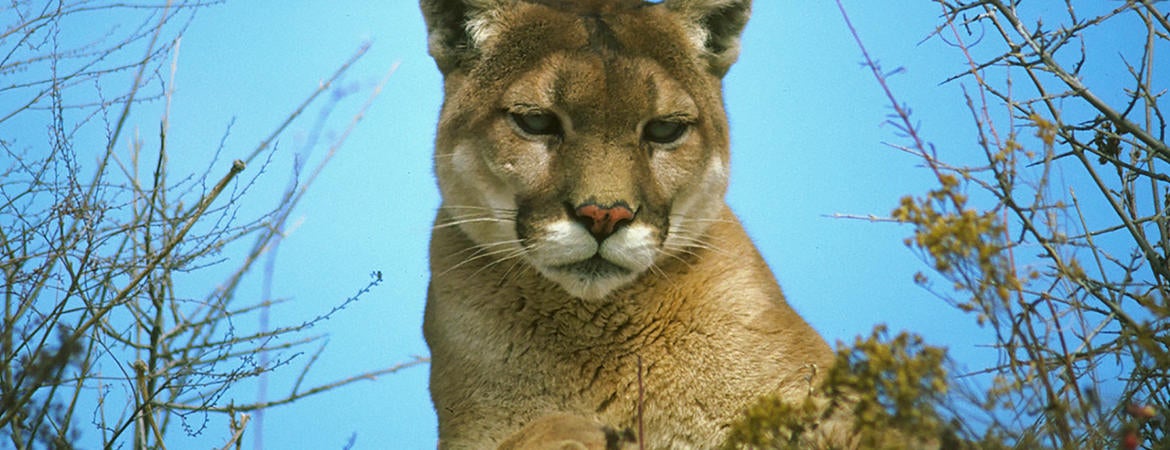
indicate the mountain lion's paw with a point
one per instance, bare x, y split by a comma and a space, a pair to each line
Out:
569, 432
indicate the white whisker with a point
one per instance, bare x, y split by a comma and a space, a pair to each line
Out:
509, 274
488, 215
658, 270
673, 253
482, 252
684, 242
511, 254
480, 208
476, 250
678, 219
469, 219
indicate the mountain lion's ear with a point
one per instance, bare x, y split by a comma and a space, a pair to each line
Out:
714, 26
457, 29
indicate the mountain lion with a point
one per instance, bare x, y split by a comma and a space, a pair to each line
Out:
589, 286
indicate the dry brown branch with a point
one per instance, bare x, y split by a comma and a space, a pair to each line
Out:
1073, 172
1095, 300
96, 336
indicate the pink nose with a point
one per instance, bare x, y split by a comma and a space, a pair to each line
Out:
603, 221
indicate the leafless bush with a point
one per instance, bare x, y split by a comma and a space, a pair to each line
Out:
1053, 231
99, 339
1077, 171
1074, 173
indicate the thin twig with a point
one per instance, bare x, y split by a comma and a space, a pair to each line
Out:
368, 376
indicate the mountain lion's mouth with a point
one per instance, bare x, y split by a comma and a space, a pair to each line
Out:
595, 267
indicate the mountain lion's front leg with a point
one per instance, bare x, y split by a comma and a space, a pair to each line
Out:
568, 432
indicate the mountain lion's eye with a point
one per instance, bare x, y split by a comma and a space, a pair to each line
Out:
663, 132
537, 123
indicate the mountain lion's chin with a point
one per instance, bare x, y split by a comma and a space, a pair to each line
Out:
590, 279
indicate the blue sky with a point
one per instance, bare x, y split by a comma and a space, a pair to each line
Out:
807, 140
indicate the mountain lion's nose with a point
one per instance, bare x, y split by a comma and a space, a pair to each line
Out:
603, 221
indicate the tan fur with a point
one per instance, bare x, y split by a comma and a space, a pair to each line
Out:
536, 327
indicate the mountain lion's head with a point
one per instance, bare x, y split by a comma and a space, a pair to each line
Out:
585, 138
